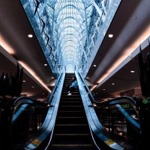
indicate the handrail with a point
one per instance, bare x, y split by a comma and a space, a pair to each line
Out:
125, 99
49, 122
54, 89
110, 102
23, 102
87, 88
93, 120
132, 121
117, 101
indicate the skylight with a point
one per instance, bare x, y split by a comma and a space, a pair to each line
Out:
69, 30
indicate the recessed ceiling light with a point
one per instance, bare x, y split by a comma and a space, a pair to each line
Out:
132, 71
110, 35
45, 65
112, 83
94, 105
32, 87
104, 89
94, 65
30, 35
24, 81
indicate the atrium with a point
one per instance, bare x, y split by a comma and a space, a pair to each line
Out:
102, 47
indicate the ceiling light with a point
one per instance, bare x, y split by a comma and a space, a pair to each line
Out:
94, 105
94, 65
32, 87
30, 35
112, 83
24, 81
104, 89
45, 65
110, 35
132, 71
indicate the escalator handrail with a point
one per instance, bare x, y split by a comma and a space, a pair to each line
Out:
20, 102
116, 102
132, 121
92, 118
54, 89
87, 88
24, 99
121, 100
49, 122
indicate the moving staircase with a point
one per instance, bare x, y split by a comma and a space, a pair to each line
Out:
71, 130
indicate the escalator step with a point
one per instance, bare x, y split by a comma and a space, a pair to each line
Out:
70, 102
71, 129
72, 120
72, 139
71, 113
71, 107
72, 147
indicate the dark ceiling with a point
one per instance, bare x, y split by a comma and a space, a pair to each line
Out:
14, 29
130, 21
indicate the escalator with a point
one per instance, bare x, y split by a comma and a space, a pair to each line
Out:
71, 122
71, 130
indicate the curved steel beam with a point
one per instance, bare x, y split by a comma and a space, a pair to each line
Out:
68, 46
67, 27
78, 10
69, 17
68, 41
70, 34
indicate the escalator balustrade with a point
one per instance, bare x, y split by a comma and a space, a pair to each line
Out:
71, 130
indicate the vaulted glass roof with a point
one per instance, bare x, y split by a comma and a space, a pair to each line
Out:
71, 30
68, 30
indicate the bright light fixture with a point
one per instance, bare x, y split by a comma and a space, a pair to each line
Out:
45, 65
110, 35
94, 65
112, 83
30, 35
132, 71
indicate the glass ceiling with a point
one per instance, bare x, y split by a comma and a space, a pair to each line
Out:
69, 30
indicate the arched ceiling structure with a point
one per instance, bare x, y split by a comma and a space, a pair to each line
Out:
68, 30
